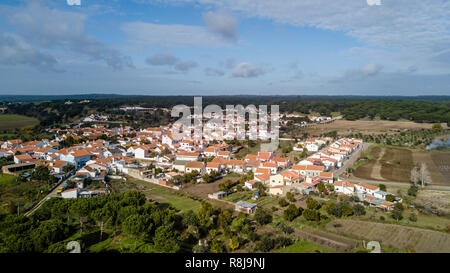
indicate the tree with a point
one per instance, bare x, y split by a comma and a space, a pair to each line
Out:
80, 209
311, 215
397, 215
165, 240
390, 198
47, 233
266, 244
68, 168
137, 225
399, 206
263, 217
382, 187
216, 246
424, 174
321, 187
359, 209
291, 212
282, 202
282, 241
437, 127
413, 217
415, 175
412, 191
234, 243
347, 210
100, 215
290, 196
311, 203
285, 228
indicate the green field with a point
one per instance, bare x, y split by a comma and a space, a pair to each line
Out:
16, 121
303, 246
6, 179
16, 192
165, 195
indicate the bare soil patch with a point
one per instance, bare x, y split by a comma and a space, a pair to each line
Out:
202, 190
396, 164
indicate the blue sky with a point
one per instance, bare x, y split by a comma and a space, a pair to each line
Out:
212, 47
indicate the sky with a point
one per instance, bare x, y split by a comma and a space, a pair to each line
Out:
228, 47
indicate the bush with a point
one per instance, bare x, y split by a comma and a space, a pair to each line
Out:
263, 217
291, 212
282, 202
290, 197
412, 191
390, 198
266, 244
253, 236
359, 210
285, 228
311, 215
282, 241
397, 214
312, 203
413, 217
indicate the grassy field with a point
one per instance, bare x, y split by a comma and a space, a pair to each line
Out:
16, 121
122, 244
161, 194
396, 236
303, 246
22, 193
265, 202
436, 199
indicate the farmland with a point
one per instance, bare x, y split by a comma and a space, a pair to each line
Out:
397, 236
367, 126
16, 121
395, 164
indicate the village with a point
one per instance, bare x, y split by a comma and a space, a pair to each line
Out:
155, 156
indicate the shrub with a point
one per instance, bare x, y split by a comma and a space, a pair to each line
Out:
311, 215
413, 217
282, 202
291, 212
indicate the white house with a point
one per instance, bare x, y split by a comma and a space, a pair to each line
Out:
72, 193
344, 187
366, 188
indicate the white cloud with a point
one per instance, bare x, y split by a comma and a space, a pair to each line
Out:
15, 51
222, 23
74, 2
186, 65
145, 34
410, 28
246, 70
373, 2
162, 59
52, 28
